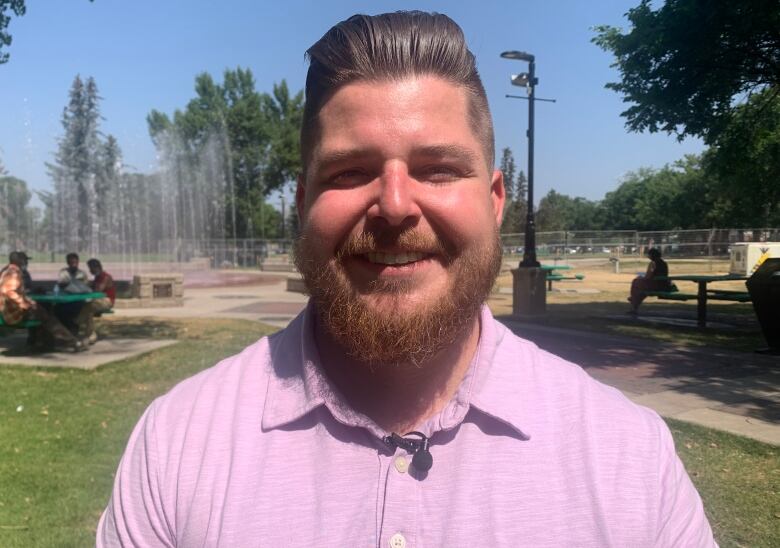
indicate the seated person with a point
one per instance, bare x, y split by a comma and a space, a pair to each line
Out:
72, 280
103, 283
15, 306
653, 280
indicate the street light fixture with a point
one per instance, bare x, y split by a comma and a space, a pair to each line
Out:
528, 81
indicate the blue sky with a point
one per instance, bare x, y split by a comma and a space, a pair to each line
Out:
145, 55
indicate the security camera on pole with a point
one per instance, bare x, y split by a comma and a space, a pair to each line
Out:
529, 287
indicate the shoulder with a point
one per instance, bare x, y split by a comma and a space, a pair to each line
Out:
561, 397
214, 393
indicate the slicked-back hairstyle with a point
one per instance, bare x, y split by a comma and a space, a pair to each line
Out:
393, 46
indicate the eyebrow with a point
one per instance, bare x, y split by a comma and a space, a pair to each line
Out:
429, 151
447, 151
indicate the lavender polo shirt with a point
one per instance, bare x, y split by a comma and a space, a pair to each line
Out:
261, 450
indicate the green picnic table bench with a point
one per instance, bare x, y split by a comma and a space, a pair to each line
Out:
551, 277
703, 295
24, 324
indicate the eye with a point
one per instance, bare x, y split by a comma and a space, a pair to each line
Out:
439, 173
350, 177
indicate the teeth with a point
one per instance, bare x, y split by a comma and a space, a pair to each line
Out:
394, 258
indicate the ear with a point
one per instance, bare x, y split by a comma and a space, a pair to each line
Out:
300, 198
498, 195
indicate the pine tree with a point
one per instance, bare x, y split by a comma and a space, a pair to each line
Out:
516, 186
75, 170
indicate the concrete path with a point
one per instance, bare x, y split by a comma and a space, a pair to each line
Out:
738, 392
14, 351
271, 304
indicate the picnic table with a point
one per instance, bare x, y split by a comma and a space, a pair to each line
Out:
703, 294
53, 300
62, 298
552, 274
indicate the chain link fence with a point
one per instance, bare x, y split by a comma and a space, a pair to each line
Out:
706, 243
263, 253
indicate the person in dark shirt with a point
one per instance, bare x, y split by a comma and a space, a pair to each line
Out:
655, 279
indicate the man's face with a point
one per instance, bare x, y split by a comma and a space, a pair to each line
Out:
73, 264
399, 216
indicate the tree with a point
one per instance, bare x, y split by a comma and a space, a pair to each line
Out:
744, 165
15, 215
685, 66
508, 170
559, 212
247, 140
74, 170
283, 115
268, 218
19, 9
515, 207
107, 196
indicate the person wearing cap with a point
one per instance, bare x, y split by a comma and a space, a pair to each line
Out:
16, 307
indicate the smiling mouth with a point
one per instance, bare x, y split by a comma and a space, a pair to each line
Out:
394, 258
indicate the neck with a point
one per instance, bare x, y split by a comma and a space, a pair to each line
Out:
398, 397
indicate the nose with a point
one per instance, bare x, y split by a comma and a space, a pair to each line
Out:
396, 201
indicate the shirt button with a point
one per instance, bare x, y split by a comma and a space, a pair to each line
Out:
397, 541
401, 464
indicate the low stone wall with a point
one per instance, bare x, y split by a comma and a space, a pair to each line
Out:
296, 285
155, 290
276, 265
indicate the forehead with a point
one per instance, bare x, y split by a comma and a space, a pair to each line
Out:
394, 113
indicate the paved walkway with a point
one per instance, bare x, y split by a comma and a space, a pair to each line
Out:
733, 391
738, 392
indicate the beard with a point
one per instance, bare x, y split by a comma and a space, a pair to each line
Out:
375, 337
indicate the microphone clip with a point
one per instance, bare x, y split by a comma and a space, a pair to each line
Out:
422, 459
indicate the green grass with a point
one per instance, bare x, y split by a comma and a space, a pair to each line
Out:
59, 453
739, 481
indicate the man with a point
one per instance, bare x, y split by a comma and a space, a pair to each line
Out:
102, 282
71, 278
16, 307
26, 278
300, 440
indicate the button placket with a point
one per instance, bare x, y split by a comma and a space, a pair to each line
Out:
401, 498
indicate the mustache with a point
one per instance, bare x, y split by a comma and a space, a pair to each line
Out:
406, 241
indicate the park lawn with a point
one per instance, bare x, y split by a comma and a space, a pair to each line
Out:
59, 453
738, 480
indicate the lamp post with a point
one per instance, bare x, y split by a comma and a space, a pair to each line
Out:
529, 291
529, 81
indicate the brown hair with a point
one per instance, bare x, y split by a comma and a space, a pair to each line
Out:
393, 46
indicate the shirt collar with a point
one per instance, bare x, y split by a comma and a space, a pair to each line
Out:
297, 385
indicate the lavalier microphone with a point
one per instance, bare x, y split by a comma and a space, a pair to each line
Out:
422, 459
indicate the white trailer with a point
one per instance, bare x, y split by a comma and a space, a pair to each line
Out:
746, 257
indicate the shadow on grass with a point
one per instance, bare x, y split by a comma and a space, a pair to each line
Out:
13, 342
646, 359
